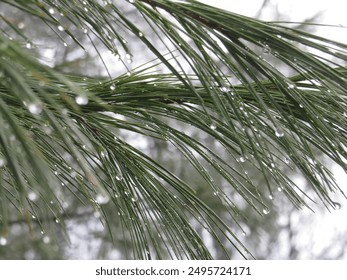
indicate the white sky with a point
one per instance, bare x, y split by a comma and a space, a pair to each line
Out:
295, 10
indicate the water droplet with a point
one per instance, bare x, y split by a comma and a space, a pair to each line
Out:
2, 162
35, 108
129, 58
279, 132
65, 44
102, 199
57, 220
85, 30
33, 216
279, 36
119, 177
337, 205
113, 87
213, 126
132, 1
21, 25
42, 232
271, 197
140, 34
244, 233
81, 99
134, 199
241, 159
28, 45
97, 214
32, 196
286, 160
47, 129
116, 195
291, 86
272, 165
216, 193
3, 241
51, 11
117, 56
224, 89
266, 211
46, 240
279, 189
60, 28
266, 49
301, 106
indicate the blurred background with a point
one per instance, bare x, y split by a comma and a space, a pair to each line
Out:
285, 233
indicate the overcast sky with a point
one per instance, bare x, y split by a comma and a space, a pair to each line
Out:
296, 10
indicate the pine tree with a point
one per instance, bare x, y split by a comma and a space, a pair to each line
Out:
63, 134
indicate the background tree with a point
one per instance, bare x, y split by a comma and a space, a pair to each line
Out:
212, 92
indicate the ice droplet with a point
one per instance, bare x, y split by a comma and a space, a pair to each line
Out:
35, 108
81, 99
266, 211
3, 241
